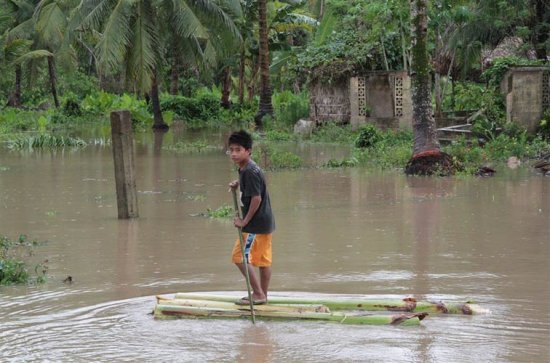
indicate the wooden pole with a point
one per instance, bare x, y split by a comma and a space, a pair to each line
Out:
245, 262
123, 155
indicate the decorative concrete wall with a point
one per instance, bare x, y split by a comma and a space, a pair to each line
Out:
527, 91
382, 99
379, 98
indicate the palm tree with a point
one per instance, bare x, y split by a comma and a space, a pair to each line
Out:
266, 106
136, 35
427, 156
18, 44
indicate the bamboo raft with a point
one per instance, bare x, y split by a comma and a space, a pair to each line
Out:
344, 311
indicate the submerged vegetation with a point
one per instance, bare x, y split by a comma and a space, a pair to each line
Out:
16, 262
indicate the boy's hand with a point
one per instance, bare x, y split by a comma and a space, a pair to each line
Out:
238, 222
234, 185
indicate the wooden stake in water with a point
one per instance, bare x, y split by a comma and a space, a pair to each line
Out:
245, 262
123, 155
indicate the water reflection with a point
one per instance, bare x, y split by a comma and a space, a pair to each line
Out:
255, 344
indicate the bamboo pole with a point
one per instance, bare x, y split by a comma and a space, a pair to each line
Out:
245, 262
405, 305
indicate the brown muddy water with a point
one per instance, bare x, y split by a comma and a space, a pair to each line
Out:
340, 231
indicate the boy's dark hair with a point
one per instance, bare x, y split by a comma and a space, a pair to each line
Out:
242, 138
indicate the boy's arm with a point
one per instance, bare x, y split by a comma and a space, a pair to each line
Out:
254, 205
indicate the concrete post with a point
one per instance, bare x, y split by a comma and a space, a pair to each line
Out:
123, 155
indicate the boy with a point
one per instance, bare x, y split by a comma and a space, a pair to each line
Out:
258, 222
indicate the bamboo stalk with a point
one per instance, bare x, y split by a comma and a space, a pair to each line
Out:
245, 262
405, 305
169, 311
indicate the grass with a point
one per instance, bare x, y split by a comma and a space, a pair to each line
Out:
45, 141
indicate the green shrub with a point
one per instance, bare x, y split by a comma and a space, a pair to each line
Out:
543, 129
201, 108
15, 259
272, 159
101, 102
277, 135
72, 108
225, 211
331, 132
290, 107
368, 136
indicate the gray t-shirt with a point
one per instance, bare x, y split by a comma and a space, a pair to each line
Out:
252, 183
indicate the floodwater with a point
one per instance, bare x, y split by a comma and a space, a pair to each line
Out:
340, 231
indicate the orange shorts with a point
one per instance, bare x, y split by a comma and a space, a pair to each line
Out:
257, 249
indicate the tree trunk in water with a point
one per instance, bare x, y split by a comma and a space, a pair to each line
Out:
53, 80
226, 88
540, 28
427, 158
158, 121
241, 75
15, 98
174, 75
266, 107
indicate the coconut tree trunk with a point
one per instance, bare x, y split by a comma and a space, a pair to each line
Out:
175, 71
226, 88
15, 98
174, 75
266, 107
241, 75
53, 80
427, 157
424, 129
158, 121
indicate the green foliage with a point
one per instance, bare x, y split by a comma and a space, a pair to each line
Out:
72, 108
278, 135
15, 258
199, 109
273, 159
495, 73
368, 136
44, 141
290, 107
543, 130
102, 103
351, 162
331, 132
392, 150
225, 211
467, 96
190, 147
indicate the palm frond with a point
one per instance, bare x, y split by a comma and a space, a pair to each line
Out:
35, 54
50, 22
142, 58
186, 21
116, 35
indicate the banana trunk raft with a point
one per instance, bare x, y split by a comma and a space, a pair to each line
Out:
409, 304
198, 308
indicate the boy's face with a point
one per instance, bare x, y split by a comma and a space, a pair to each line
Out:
238, 153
